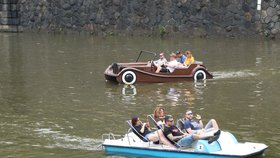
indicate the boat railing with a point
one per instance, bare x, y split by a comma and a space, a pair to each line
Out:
129, 138
160, 127
180, 125
110, 136
133, 130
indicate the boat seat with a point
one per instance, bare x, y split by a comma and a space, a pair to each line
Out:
153, 121
151, 118
138, 134
180, 126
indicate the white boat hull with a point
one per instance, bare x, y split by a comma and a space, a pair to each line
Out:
226, 147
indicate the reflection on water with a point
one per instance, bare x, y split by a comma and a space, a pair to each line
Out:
54, 101
129, 90
258, 61
178, 94
172, 95
184, 93
128, 94
200, 84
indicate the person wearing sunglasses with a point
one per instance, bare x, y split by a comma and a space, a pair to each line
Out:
161, 61
169, 66
179, 139
196, 125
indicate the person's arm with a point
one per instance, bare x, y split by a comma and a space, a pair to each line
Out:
200, 123
173, 64
198, 117
189, 130
188, 127
174, 138
183, 59
193, 59
143, 128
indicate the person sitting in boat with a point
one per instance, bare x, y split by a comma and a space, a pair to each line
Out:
175, 136
159, 115
145, 131
170, 66
189, 59
196, 125
161, 61
180, 57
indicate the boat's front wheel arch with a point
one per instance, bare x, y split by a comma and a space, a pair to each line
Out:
199, 75
129, 77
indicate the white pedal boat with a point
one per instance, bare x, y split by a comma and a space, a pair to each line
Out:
226, 146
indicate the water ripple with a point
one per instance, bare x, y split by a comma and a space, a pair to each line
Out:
6, 143
67, 141
233, 74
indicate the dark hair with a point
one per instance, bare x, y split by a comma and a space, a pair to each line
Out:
178, 52
167, 117
134, 120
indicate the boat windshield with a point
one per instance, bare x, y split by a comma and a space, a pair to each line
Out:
145, 56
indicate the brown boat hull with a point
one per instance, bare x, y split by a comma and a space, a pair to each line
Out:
130, 73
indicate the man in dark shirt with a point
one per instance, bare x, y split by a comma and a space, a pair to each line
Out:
175, 136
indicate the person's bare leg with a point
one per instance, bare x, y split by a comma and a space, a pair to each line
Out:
158, 68
203, 135
159, 136
215, 124
164, 140
212, 124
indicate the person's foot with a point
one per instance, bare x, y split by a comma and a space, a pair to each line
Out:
215, 137
177, 146
212, 139
217, 133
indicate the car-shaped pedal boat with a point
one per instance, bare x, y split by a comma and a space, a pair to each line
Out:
226, 146
145, 72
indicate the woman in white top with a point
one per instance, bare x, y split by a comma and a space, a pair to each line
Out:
170, 66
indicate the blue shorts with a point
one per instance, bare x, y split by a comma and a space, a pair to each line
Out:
147, 135
186, 141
